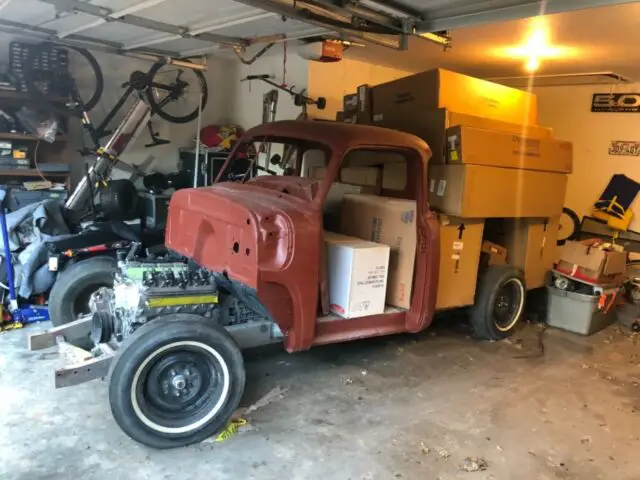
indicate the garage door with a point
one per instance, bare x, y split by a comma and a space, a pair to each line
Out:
150, 26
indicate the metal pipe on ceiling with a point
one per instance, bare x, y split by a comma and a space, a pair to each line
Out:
291, 12
402, 25
269, 39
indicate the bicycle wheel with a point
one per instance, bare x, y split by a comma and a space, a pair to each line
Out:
47, 74
569, 226
174, 92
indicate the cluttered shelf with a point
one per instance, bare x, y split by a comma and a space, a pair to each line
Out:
29, 172
27, 137
25, 97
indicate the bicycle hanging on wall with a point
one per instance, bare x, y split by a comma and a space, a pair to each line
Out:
175, 93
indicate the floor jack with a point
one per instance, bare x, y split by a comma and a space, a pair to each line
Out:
19, 314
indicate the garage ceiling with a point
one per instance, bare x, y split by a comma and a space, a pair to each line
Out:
596, 40
150, 26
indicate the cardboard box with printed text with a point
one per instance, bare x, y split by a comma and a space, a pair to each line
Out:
477, 146
356, 274
409, 96
460, 242
392, 222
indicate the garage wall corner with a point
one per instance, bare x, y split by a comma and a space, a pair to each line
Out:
567, 110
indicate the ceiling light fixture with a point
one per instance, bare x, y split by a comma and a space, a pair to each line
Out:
535, 48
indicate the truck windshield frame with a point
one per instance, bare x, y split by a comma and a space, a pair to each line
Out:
247, 160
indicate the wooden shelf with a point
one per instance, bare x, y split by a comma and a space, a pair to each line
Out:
28, 137
25, 97
29, 172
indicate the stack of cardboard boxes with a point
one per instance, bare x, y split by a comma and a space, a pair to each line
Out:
362, 279
490, 160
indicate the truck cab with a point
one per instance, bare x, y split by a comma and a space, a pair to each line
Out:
264, 234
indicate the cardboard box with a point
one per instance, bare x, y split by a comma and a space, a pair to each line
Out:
332, 208
365, 112
390, 221
476, 146
460, 242
408, 96
394, 176
531, 246
357, 275
317, 173
591, 263
476, 191
431, 126
368, 176
497, 253
350, 103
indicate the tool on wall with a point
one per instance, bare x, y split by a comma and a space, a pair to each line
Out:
300, 99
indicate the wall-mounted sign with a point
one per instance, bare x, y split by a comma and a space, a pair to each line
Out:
628, 149
616, 102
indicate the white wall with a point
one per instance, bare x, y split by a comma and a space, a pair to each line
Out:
568, 111
246, 101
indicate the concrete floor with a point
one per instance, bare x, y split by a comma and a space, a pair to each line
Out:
409, 407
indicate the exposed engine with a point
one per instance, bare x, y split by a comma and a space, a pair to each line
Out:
144, 290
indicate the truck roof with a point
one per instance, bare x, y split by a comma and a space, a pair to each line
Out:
340, 136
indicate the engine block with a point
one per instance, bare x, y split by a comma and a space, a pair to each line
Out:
148, 289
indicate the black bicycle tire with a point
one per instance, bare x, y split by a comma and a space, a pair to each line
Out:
575, 220
93, 63
156, 109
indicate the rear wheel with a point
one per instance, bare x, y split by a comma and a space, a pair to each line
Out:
499, 302
69, 297
176, 381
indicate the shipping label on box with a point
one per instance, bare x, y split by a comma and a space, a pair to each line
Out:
497, 253
357, 275
476, 146
392, 222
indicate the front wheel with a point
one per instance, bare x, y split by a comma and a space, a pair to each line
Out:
499, 302
176, 381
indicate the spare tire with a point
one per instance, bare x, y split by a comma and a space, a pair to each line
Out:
119, 200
